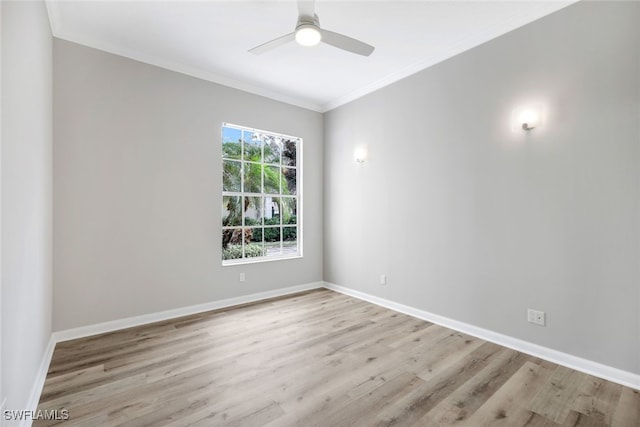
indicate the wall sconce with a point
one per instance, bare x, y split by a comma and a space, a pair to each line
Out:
526, 118
361, 154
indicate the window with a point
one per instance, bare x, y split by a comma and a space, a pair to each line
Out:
261, 197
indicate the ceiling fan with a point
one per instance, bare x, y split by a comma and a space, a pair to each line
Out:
309, 33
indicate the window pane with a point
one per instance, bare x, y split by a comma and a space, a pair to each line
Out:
289, 211
272, 240
231, 143
253, 211
254, 247
290, 240
231, 211
252, 178
289, 181
289, 153
260, 194
230, 175
252, 146
272, 149
257, 235
272, 211
272, 179
231, 243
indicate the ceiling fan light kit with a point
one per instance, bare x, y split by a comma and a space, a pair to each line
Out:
309, 33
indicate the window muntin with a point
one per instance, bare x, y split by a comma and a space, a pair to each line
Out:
260, 195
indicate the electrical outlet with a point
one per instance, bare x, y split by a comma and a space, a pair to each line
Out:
242, 277
535, 316
383, 279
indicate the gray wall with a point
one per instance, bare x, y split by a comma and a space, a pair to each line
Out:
137, 185
25, 196
478, 223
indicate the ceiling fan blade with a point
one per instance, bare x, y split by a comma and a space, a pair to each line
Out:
346, 43
306, 8
273, 43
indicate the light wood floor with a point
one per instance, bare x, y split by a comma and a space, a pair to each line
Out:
318, 359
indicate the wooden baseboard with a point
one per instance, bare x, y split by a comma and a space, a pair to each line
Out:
600, 370
619, 376
114, 325
38, 384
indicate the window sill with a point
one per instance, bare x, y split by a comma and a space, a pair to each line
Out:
246, 261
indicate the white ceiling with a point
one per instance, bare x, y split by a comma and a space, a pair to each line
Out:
210, 39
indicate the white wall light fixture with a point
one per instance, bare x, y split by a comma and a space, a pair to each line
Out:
361, 154
526, 118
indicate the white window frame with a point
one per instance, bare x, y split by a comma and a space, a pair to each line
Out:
298, 197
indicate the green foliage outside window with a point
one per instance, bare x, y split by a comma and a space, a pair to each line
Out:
260, 194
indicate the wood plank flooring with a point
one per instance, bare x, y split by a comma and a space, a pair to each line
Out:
318, 358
